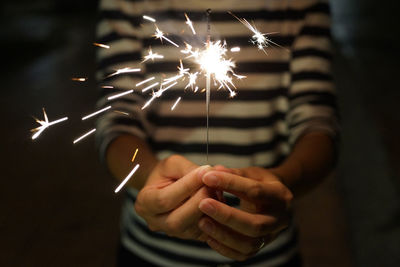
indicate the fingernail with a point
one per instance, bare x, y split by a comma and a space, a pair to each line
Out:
207, 226
211, 180
207, 208
202, 170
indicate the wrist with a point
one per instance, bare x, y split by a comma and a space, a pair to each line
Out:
289, 173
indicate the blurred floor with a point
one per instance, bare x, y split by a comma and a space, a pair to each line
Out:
57, 202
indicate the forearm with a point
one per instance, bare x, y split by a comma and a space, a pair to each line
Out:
311, 160
119, 156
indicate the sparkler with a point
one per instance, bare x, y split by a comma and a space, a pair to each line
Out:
44, 125
127, 178
149, 87
84, 135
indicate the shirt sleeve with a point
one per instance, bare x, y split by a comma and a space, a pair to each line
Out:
119, 28
312, 97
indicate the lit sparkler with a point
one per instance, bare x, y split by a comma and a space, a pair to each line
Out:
44, 125
149, 87
127, 178
84, 135
95, 113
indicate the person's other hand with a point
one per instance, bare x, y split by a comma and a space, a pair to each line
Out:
169, 201
264, 211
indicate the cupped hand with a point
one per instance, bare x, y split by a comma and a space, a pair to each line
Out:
169, 201
264, 211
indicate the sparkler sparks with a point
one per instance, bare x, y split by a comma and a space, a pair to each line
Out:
149, 87
79, 79
149, 18
123, 70
83, 136
44, 125
176, 103
160, 35
152, 56
95, 113
145, 81
189, 23
127, 178
134, 155
119, 95
260, 39
102, 45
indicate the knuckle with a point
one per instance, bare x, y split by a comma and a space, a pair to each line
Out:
260, 227
174, 226
172, 159
256, 191
163, 203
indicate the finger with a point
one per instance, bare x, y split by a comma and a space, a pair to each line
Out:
183, 221
231, 239
253, 225
176, 166
225, 251
241, 186
171, 196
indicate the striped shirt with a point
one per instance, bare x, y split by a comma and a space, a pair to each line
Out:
286, 94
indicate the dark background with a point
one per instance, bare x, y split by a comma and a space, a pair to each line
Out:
57, 206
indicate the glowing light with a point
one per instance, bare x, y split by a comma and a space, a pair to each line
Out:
160, 35
260, 39
119, 95
123, 70
158, 94
149, 18
235, 49
102, 45
83, 136
190, 24
145, 81
134, 155
44, 125
151, 56
121, 112
107, 86
95, 113
176, 103
127, 178
149, 87
77, 79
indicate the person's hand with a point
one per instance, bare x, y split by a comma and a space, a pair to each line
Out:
169, 201
263, 213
